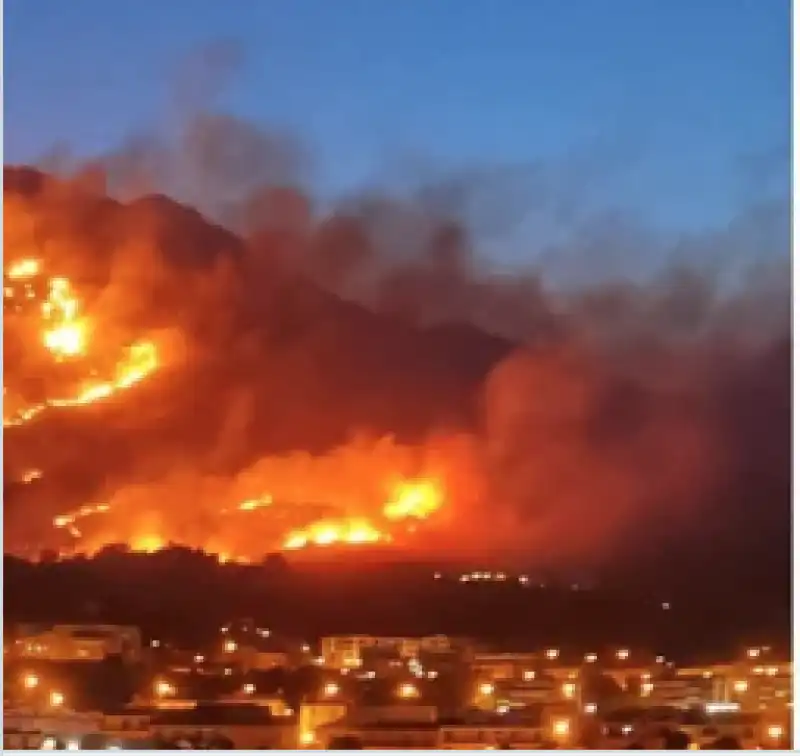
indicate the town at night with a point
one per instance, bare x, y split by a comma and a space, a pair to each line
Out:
397, 376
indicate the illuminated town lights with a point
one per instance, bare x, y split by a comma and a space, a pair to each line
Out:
774, 732
647, 689
199, 658
30, 681
623, 654
590, 658
529, 675
753, 653
307, 738
163, 689
229, 646
740, 686
56, 699
568, 689
331, 689
590, 708
561, 728
408, 690
486, 689
248, 689
551, 653
155, 643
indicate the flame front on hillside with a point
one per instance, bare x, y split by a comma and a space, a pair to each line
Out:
65, 334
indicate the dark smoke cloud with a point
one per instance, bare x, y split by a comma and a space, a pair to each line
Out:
608, 416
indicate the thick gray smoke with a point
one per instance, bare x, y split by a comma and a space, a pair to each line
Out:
608, 413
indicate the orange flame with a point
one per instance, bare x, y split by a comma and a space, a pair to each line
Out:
329, 532
413, 500
66, 335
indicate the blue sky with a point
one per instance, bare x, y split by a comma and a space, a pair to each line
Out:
675, 109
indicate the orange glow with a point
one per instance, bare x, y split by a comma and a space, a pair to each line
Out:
65, 334
329, 532
413, 499
22, 270
147, 543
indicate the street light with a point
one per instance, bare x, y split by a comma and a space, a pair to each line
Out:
30, 681
774, 732
407, 690
163, 689
561, 728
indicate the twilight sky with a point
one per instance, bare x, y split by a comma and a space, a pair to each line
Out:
676, 109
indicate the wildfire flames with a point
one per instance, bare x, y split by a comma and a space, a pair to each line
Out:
65, 334
409, 501
305, 388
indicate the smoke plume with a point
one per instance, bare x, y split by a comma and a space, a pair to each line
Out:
312, 357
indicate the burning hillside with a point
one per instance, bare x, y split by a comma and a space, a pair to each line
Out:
169, 381
64, 333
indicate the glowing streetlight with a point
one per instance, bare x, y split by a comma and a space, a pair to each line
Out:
561, 728
407, 690
307, 738
30, 681
774, 732
163, 689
